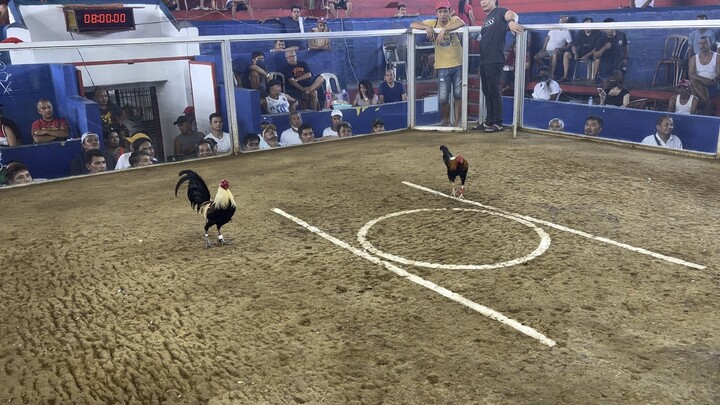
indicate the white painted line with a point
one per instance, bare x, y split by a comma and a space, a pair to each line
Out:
562, 228
542, 247
490, 313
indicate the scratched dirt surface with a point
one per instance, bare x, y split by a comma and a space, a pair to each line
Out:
108, 295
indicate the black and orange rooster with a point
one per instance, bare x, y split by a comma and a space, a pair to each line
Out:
217, 212
456, 166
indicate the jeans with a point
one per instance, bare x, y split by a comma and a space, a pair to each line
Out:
490, 78
449, 77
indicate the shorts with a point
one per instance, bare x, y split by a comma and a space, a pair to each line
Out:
238, 6
340, 5
448, 77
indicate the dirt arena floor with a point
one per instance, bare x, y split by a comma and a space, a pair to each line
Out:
108, 295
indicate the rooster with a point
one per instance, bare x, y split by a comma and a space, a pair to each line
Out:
217, 212
456, 166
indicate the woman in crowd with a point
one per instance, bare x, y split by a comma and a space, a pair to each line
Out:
366, 94
616, 94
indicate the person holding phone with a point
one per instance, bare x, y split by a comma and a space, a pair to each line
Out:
616, 94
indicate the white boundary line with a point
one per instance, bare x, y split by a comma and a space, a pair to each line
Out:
490, 313
542, 246
562, 228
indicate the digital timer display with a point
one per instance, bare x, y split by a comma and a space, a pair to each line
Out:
99, 19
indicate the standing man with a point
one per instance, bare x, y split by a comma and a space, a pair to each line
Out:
111, 116
48, 128
448, 58
498, 21
291, 24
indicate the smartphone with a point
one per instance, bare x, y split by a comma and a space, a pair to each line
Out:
601, 92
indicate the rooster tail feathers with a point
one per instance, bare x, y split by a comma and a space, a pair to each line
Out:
446, 154
198, 192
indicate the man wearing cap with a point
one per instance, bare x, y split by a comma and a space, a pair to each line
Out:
320, 44
139, 141
186, 141
492, 59
276, 101
336, 117
88, 141
345, 130
683, 102
291, 136
48, 128
269, 137
299, 82
378, 126
223, 139
448, 58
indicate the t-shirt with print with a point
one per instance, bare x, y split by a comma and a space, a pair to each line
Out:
492, 38
448, 51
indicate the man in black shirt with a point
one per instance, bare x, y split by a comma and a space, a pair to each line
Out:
611, 52
583, 48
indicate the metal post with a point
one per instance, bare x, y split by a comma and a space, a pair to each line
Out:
226, 54
519, 91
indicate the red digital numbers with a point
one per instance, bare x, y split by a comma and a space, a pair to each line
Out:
105, 18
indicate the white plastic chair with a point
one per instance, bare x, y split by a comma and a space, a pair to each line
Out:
329, 78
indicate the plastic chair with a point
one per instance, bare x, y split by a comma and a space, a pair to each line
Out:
329, 79
588, 68
676, 48
277, 75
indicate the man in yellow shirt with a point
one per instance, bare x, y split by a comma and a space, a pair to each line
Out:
448, 58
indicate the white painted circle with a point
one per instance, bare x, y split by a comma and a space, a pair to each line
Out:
542, 247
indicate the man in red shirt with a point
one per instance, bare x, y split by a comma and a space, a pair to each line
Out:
48, 128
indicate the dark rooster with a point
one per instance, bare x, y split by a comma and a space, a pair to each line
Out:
217, 212
456, 166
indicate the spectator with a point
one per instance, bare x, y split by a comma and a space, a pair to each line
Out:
641, 3
8, 136
299, 82
546, 88
269, 138
391, 91
683, 102
235, 5
320, 44
48, 128
206, 148
616, 94
276, 101
291, 136
611, 52
557, 42
336, 117
279, 46
556, 125
366, 94
133, 119
112, 144
703, 71
201, 6
497, 23
694, 37
583, 48
186, 141
345, 130
448, 58
140, 141
223, 139
465, 12
112, 116
593, 125
251, 142
88, 141
17, 173
140, 158
507, 77
336, 5
307, 135
4, 13
378, 126
293, 23
255, 74
94, 161
402, 12
663, 135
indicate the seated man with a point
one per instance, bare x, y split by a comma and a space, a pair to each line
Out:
222, 139
140, 141
336, 5
269, 138
17, 173
611, 52
378, 126
48, 128
291, 136
583, 48
94, 161
663, 135
276, 101
279, 46
299, 82
206, 148
703, 71
593, 125
320, 44
187, 140
140, 158
251, 142
546, 88
391, 91
345, 130
556, 125
235, 5
554, 47
255, 74
683, 102
336, 117
89, 141
402, 12
307, 135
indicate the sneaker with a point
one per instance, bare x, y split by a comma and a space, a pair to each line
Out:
483, 126
196, 8
494, 128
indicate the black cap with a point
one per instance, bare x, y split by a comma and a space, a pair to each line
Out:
378, 121
274, 82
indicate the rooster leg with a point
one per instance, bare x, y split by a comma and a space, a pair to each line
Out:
462, 192
208, 245
221, 239
454, 194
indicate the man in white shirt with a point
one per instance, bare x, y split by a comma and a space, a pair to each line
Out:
547, 88
224, 142
556, 43
336, 117
664, 136
704, 70
291, 136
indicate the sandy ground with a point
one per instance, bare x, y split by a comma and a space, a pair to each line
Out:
108, 295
